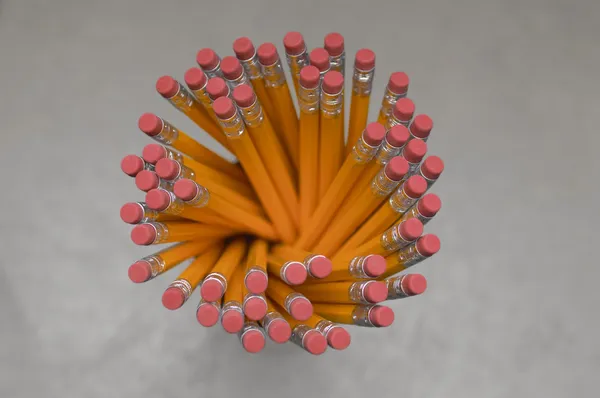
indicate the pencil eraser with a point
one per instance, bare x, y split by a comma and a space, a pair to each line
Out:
207, 314
231, 68
217, 88
398, 83
224, 108
364, 60
415, 150
132, 213
428, 245
267, 54
139, 272
414, 284
207, 59
195, 78
152, 153
167, 169
244, 96
294, 43
150, 124
256, 282
396, 168
295, 273
381, 316
333, 82
429, 205
143, 234
253, 341
338, 338
167, 86
173, 298
432, 167
232, 321
255, 308
279, 331
415, 186
411, 229
314, 342
158, 199
374, 265
374, 134
334, 44
309, 76
319, 58
211, 290
185, 189
404, 109
146, 180
319, 267
421, 126
375, 292
398, 136
132, 165
243, 48
301, 309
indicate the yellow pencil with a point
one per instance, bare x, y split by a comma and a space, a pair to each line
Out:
362, 83
369, 315
256, 277
155, 233
396, 88
296, 55
318, 266
216, 283
292, 302
359, 267
346, 292
425, 247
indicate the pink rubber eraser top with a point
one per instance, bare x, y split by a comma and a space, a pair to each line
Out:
334, 44
195, 78
428, 245
217, 88
167, 86
338, 338
256, 282
132, 213
279, 331
150, 124
295, 273
398, 83
158, 199
294, 43
139, 272
309, 76
415, 186
173, 298
146, 180
381, 316
411, 229
374, 265
375, 292
414, 284
244, 96
167, 169
152, 153
432, 167
232, 321
320, 267
253, 341
207, 59
185, 189
301, 309
211, 290
404, 109
243, 48
364, 60
314, 342
429, 205
374, 134
333, 82
143, 234
224, 108
207, 315
421, 126
231, 68
398, 136
319, 58
255, 308
396, 168
414, 151
267, 54
132, 165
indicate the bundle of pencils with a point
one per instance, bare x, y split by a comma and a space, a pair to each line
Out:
307, 231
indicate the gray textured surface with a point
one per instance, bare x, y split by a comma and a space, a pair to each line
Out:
511, 310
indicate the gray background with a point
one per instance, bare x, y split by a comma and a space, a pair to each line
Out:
512, 87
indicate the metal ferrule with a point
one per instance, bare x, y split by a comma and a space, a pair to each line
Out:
332, 104
310, 258
232, 127
325, 326
232, 306
175, 206
162, 232
183, 100
168, 134
249, 326
356, 292
427, 180
241, 79
184, 286
214, 72
157, 264
362, 81
393, 121
338, 63
252, 67
386, 152
269, 318
414, 212
298, 334
388, 102
274, 76
400, 202
253, 115
173, 154
149, 214
290, 299
382, 185
219, 278
202, 197
360, 315
202, 96
394, 286
356, 267
184, 172
413, 168
297, 62
308, 99
391, 240
409, 255
363, 152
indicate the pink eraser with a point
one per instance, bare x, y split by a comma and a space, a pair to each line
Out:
338, 338
253, 341
158, 199
255, 308
267, 54
319, 58
364, 60
132, 213
173, 298
211, 290
314, 342
334, 44
381, 316
428, 245
152, 153
256, 282
333, 82
375, 292
432, 167
414, 284
231, 68
398, 83
319, 267
207, 59
207, 314
301, 309
224, 108
421, 126
167, 169
295, 273
411, 229
397, 136
244, 96
140, 271
143, 234
414, 151
415, 186
404, 109
195, 78
374, 134
132, 165
167, 86
309, 76
374, 265
232, 321
243, 48
217, 88
396, 168
185, 189
294, 43
279, 331
150, 124
429, 205
146, 180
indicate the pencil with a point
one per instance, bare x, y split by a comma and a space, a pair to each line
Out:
337, 337
359, 267
232, 314
138, 213
296, 56
362, 84
345, 292
404, 286
154, 233
252, 337
294, 303
425, 247
317, 265
275, 325
309, 339
291, 272
256, 278
367, 315
216, 283
396, 88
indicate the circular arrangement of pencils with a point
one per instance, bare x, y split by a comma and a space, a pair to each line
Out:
311, 229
